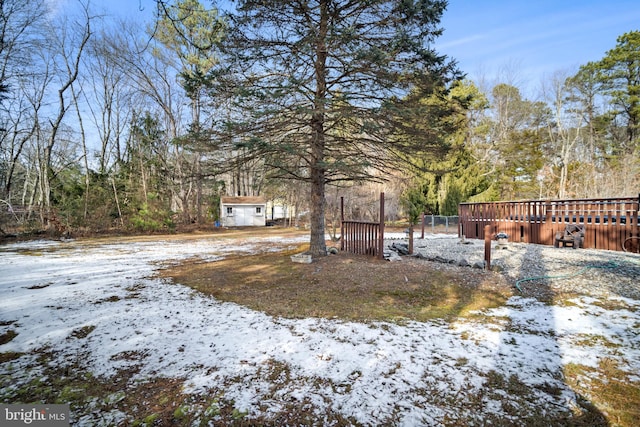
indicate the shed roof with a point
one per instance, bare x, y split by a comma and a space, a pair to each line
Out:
229, 200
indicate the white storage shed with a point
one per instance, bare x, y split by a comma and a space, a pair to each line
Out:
243, 211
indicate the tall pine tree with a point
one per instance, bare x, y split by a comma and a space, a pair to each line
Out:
321, 87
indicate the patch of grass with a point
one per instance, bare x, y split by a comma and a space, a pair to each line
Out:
518, 401
614, 304
8, 336
82, 332
8, 356
345, 286
609, 388
124, 399
592, 340
112, 298
461, 361
516, 404
568, 300
565, 300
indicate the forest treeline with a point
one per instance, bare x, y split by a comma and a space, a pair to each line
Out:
112, 123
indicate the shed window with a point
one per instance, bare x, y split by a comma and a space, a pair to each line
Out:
258, 210
229, 211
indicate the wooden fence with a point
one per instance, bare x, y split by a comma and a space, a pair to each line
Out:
360, 237
609, 223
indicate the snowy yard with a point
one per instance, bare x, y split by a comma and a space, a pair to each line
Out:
101, 310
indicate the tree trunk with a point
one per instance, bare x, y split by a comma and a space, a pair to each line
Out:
199, 217
115, 196
562, 185
85, 155
318, 246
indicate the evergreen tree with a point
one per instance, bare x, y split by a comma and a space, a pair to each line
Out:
459, 173
620, 75
321, 87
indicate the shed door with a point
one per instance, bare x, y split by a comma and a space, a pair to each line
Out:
242, 216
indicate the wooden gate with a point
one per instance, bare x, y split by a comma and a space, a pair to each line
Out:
360, 237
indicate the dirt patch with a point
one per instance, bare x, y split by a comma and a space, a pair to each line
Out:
345, 286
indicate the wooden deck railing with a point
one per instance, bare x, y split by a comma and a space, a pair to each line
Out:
609, 223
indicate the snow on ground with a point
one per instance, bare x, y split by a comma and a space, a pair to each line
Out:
410, 373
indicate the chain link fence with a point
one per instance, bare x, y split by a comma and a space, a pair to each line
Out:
440, 224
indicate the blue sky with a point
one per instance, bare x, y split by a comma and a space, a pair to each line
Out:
525, 40
532, 39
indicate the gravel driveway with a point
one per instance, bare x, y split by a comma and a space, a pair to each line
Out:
539, 270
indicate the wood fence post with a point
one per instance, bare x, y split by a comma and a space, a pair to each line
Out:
487, 247
410, 239
341, 223
547, 227
381, 238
